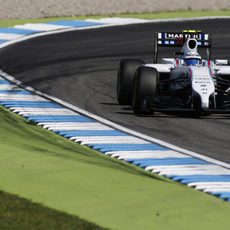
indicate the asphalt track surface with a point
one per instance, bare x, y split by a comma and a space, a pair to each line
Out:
80, 67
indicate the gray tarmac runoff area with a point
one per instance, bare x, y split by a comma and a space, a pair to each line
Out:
80, 67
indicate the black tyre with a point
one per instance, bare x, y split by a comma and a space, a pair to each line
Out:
145, 89
125, 80
196, 105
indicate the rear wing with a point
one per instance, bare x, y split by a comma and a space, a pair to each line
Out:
177, 39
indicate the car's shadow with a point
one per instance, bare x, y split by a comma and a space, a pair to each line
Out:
127, 110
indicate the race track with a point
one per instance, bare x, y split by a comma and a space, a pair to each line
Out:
80, 67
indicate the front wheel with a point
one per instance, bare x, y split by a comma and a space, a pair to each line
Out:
145, 90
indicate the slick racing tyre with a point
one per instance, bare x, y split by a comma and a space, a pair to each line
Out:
125, 80
196, 104
145, 90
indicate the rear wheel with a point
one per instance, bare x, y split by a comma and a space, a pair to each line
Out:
145, 90
125, 80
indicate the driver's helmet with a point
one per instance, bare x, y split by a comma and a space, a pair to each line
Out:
193, 60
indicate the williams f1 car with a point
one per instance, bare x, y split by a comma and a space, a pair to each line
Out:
184, 83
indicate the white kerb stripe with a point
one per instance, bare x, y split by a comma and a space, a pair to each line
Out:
8, 87
223, 185
117, 20
75, 126
51, 113
211, 190
195, 184
96, 138
152, 154
193, 172
185, 166
41, 27
31, 109
19, 97
9, 36
112, 140
138, 152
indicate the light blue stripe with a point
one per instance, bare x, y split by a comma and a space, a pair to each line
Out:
4, 82
31, 104
125, 147
63, 118
2, 41
223, 195
91, 133
21, 92
194, 177
167, 161
187, 181
74, 23
17, 31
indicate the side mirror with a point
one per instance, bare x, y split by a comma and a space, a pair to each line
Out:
222, 62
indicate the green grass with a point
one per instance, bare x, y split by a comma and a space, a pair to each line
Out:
156, 15
45, 168
21, 214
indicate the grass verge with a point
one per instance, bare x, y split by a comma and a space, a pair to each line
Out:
155, 15
21, 214
48, 169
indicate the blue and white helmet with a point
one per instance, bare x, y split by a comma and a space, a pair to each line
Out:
192, 59
190, 54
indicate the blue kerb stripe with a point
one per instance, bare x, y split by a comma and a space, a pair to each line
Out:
125, 147
74, 23
194, 177
64, 118
31, 104
21, 92
2, 41
167, 161
187, 181
91, 133
17, 31
223, 195
6, 83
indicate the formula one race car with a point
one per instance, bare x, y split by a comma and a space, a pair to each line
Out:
185, 83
